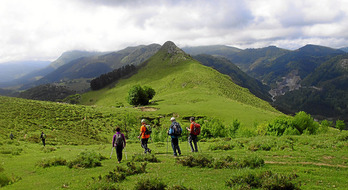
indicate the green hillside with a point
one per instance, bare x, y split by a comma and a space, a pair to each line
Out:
184, 87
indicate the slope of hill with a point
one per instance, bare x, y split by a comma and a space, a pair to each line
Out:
323, 93
93, 66
185, 87
16, 69
224, 66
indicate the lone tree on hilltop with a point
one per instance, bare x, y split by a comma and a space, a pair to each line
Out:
140, 96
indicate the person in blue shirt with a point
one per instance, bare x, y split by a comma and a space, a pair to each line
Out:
174, 132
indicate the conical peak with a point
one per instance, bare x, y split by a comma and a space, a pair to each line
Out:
170, 48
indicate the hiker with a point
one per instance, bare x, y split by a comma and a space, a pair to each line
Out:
145, 135
174, 132
119, 142
43, 138
193, 135
11, 136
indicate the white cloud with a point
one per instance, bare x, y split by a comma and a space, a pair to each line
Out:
43, 29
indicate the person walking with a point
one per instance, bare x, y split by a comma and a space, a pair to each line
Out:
174, 132
11, 136
194, 132
43, 138
144, 135
119, 142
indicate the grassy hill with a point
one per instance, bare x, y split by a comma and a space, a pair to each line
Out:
186, 88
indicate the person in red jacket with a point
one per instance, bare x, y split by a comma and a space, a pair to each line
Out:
144, 136
193, 137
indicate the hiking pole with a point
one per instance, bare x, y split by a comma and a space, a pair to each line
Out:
199, 147
167, 144
125, 153
112, 149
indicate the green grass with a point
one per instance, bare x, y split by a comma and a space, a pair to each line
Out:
311, 158
187, 88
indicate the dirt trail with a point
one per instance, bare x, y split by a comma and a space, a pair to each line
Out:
306, 163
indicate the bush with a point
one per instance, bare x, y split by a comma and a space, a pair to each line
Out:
145, 158
178, 187
223, 162
140, 96
211, 127
340, 125
265, 180
86, 159
52, 162
303, 121
119, 174
150, 184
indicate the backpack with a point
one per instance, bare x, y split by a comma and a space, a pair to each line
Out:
196, 129
176, 129
119, 139
148, 130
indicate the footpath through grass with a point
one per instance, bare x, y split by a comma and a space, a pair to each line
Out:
307, 162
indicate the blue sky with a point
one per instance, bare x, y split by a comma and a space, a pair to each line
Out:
44, 29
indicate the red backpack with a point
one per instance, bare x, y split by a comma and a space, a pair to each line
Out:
196, 129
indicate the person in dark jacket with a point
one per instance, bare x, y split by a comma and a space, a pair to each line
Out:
119, 142
175, 137
43, 138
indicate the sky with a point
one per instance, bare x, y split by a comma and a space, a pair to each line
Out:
44, 29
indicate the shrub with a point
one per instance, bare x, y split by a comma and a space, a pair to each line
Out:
211, 127
178, 187
196, 160
86, 159
5, 180
232, 129
340, 125
251, 162
223, 162
120, 173
221, 146
143, 158
139, 96
303, 121
265, 180
278, 126
52, 162
150, 184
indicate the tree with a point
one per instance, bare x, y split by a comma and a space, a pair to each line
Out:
139, 96
340, 125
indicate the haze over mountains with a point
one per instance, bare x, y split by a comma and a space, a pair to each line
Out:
311, 78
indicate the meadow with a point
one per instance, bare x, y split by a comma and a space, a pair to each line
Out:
245, 143
316, 161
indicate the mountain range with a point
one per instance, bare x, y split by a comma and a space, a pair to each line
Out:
311, 78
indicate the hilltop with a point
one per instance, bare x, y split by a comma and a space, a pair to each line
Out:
185, 87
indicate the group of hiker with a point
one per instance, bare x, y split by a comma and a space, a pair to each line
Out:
175, 130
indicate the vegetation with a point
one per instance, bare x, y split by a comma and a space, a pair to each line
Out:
113, 76
140, 96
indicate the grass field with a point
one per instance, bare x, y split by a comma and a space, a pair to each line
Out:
319, 161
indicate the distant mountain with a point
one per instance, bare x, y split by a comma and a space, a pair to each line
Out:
95, 64
323, 93
68, 56
224, 66
13, 70
249, 59
222, 50
345, 49
47, 92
